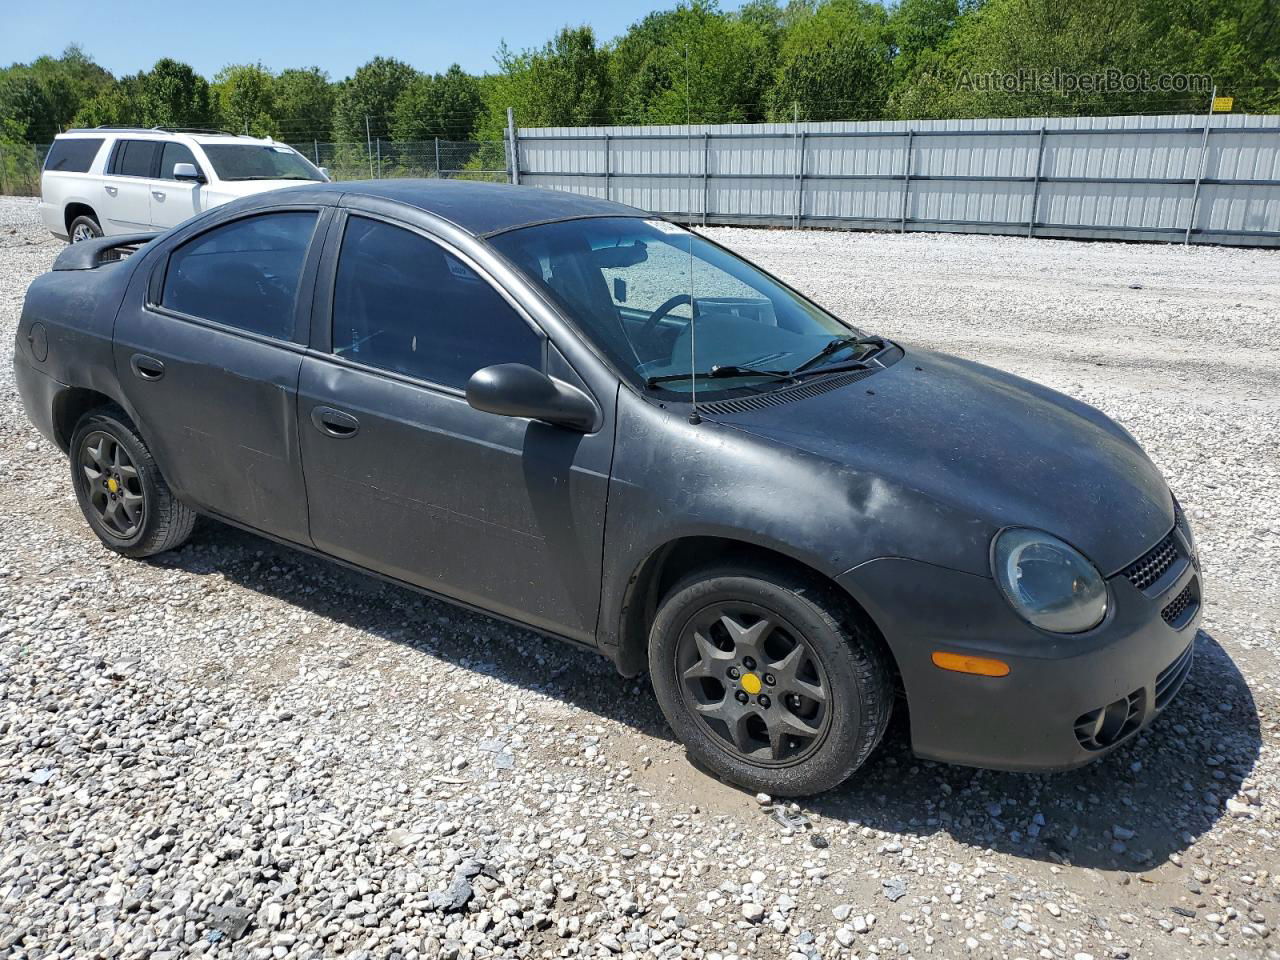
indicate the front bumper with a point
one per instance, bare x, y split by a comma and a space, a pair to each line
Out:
1066, 700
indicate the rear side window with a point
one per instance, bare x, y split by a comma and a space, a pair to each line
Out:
175, 153
403, 303
243, 274
135, 158
73, 155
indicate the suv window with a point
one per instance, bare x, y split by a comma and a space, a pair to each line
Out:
73, 155
134, 158
402, 303
175, 153
244, 274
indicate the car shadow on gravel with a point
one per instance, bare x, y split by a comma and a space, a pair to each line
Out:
1130, 811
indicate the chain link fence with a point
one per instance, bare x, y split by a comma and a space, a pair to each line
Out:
20, 164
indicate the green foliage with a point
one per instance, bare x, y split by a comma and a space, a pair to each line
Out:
25, 111
39, 99
370, 93
693, 62
445, 105
564, 83
244, 100
304, 104
835, 64
171, 94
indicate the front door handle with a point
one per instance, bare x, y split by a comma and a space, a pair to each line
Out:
334, 423
146, 368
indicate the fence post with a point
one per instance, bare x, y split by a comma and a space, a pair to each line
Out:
439, 175
379, 158
706, 174
906, 180
1035, 190
515, 146
1204, 153
2, 186
315, 150
798, 165
608, 168
368, 145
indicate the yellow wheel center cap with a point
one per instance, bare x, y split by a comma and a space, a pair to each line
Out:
115, 487
751, 683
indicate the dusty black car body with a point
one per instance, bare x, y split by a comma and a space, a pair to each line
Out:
888, 483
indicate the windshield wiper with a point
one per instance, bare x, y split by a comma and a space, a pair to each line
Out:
719, 371
835, 346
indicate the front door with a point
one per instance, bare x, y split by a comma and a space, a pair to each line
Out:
174, 200
209, 361
405, 478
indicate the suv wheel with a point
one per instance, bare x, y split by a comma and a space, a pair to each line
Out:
120, 490
770, 681
84, 227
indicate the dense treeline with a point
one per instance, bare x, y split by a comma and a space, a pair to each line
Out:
812, 59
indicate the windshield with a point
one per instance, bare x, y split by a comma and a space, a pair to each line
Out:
259, 161
626, 283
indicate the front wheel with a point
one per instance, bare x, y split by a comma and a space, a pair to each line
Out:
121, 492
771, 681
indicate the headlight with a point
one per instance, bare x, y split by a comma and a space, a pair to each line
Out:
1049, 583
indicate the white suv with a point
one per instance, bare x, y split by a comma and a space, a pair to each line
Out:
112, 180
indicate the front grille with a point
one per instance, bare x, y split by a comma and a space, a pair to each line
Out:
1181, 608
1107, 726
1170, 680
1153, 564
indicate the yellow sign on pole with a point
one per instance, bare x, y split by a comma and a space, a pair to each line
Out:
1223, 104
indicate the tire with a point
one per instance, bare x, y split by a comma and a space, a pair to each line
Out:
110, 464
841, 657
84, 225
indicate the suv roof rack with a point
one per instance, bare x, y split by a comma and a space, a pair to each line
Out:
203, 130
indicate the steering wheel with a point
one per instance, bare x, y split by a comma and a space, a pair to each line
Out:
656, 317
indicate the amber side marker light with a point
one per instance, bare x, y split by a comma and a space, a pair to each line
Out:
963, 663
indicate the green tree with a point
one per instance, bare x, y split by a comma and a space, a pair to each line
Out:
69, 81
721, 61
564, 83
835, 64
445, 105
370, 93
25, 111
244, 99
174, 95
304, 104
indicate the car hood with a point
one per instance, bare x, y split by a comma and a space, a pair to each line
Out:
1000, 449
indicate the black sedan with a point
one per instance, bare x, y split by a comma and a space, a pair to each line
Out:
569, 414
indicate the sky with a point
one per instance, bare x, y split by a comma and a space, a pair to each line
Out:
336, 35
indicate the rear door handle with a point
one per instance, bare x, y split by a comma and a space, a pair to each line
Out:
146, 368
112, 190
334, 423
158, 194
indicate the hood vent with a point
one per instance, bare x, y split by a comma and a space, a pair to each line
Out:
786, 395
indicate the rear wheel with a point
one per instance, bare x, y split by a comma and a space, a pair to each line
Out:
84, 227
120, 489
771, 681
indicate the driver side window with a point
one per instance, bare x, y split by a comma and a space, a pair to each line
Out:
403, 303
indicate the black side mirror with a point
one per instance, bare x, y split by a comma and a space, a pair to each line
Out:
515, 390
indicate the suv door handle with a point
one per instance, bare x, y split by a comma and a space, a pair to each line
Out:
111, 190
146, 368
158, 194
334, 423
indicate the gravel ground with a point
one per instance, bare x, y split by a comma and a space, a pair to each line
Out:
235, 750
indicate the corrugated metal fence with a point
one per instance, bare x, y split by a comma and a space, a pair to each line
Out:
1167, 178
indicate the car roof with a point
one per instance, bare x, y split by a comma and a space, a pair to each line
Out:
483, 208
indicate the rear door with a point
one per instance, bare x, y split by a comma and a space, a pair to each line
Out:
209, 361
403, 476
173, 200
126, 201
